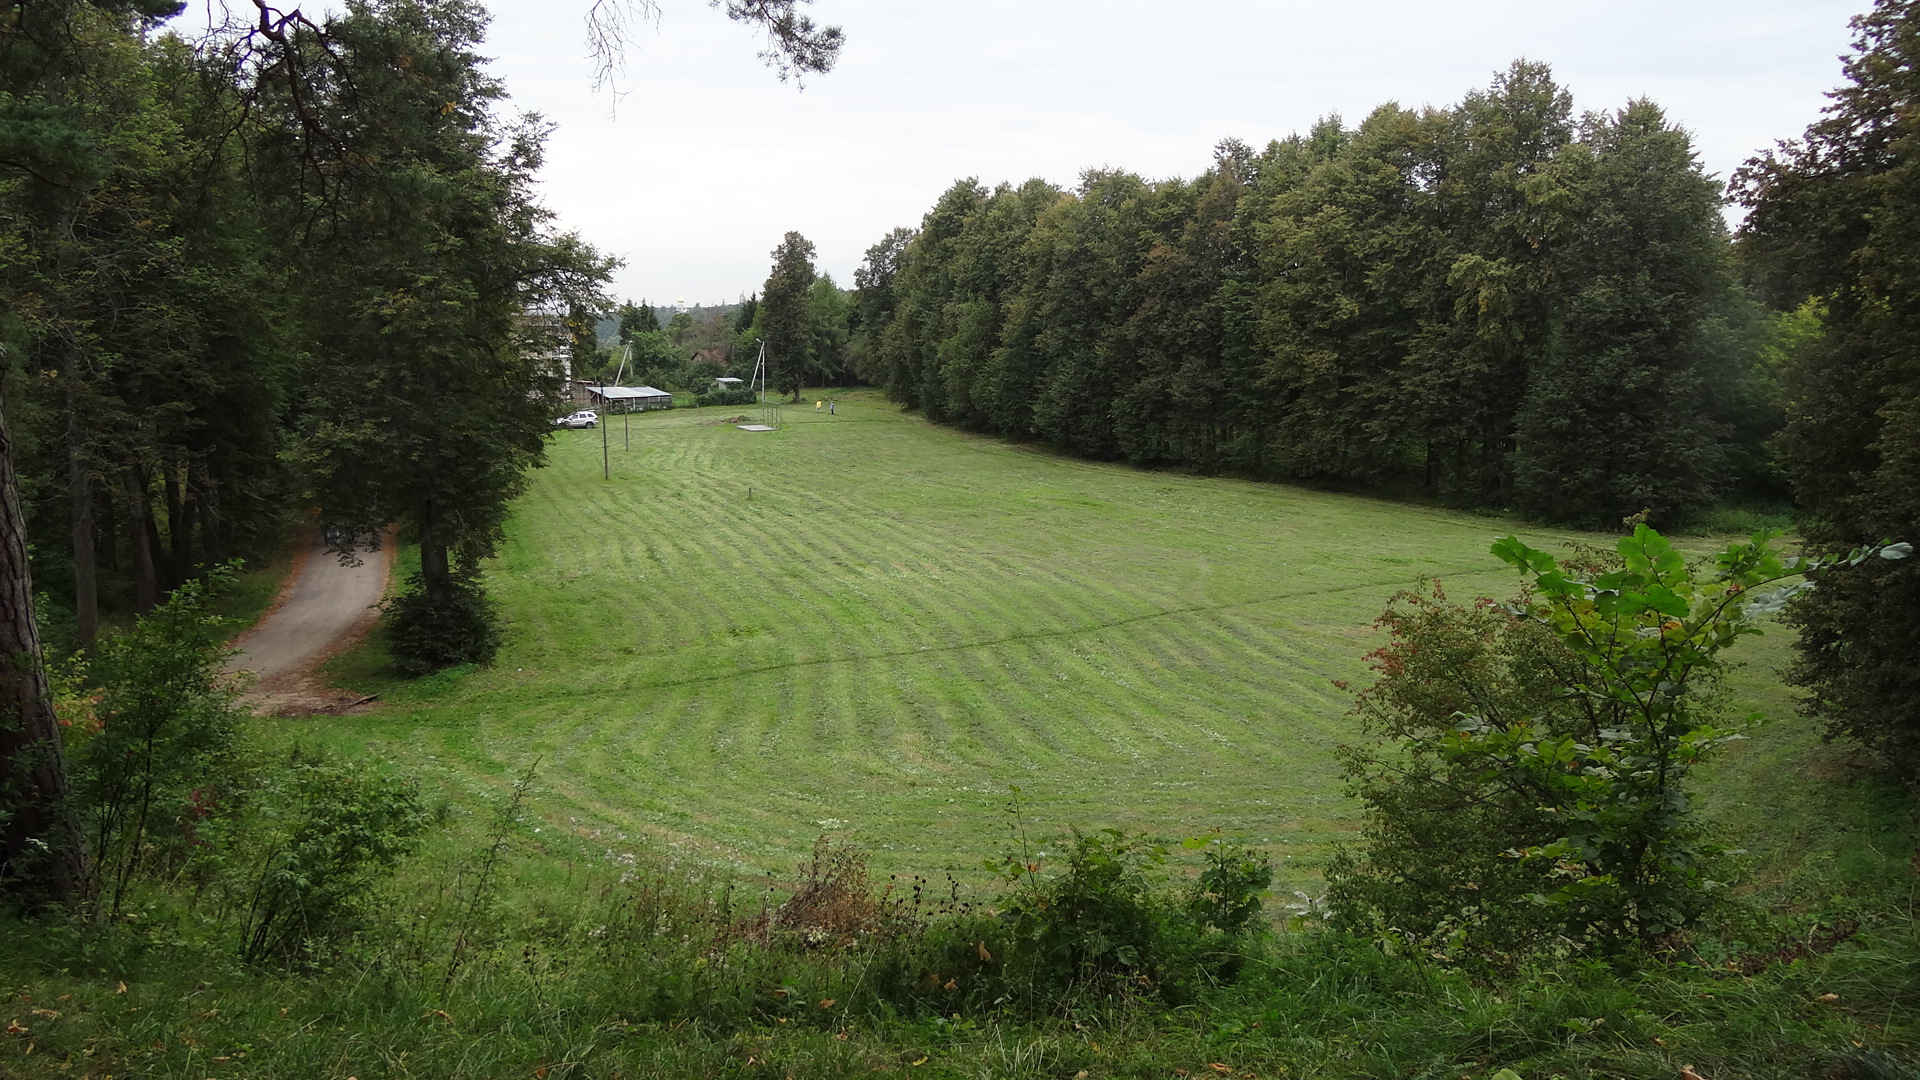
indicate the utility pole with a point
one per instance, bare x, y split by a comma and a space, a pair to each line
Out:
626, 433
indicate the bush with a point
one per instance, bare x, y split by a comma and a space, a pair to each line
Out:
1532, 793
1225, 901
726, 397
152, 744
1109, 922
425, 636
1435, 863
322, 836
1095, 922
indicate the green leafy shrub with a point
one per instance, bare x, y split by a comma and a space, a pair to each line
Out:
1225, 901
152, 743
738, 396
323, 835
1532, 789
1439, 825
426, 633
1096, 924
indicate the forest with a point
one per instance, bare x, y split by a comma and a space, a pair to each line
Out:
1500, 303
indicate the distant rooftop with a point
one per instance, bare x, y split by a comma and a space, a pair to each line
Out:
624, 393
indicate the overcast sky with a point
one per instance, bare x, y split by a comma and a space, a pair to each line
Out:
706, 159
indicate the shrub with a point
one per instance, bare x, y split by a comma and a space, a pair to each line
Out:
324, 833
152, 745
425, 634
833, 904
726, 397
1096, 924
1224, 903
1435, 862
1533, 789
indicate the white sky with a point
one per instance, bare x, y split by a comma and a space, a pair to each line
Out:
708, 159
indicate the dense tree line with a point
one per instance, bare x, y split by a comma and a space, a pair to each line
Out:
296, 270
1503, 302
1834, 223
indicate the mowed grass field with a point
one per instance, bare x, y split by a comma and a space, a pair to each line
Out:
872, 627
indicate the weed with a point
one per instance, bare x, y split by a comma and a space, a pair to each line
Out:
477, 886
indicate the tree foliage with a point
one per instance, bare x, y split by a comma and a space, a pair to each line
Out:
1502, 302
297, 266
51, 160
435, 400
1834, 218
783, 316
1530, 792
795, 46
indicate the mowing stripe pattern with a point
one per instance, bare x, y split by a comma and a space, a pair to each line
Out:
866, 625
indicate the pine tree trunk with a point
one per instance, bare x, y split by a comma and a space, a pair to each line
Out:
41, 855
86, 581
144, 540
106, 532
179, 529
207, 495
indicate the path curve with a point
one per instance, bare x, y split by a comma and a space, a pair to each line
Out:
323, 608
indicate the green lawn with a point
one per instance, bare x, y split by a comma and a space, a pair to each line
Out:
903, 621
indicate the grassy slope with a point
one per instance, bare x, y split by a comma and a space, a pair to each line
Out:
902, 622
904, 616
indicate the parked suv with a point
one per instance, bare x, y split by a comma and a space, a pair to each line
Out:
583, 418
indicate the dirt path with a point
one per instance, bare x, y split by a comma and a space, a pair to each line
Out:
323, 608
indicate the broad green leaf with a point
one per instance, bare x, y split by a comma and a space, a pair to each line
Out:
1665, 601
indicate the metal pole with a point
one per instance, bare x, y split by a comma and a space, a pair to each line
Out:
606, 463
625, 432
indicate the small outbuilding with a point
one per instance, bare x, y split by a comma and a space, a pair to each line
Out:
580, 392
629, 398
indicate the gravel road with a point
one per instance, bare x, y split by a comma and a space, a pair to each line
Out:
323, 608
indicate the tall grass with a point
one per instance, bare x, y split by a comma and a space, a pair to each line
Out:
647, 966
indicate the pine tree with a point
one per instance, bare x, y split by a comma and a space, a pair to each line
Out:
431, 405
48, 157
1835, 220
783, 315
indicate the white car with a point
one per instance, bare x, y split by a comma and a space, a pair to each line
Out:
584, 418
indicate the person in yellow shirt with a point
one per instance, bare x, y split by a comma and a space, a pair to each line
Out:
817, 404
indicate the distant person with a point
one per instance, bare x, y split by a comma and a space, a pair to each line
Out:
817, 404
831, 402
